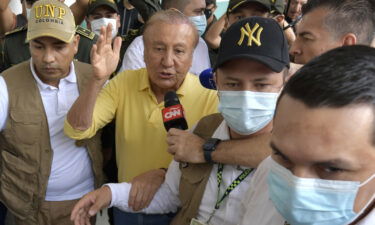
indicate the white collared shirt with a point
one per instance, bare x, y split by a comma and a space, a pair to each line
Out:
71, 173
166, 199
134, 57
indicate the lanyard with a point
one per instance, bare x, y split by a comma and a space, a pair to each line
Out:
232, 186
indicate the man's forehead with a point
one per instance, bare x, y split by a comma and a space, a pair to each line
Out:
249, 67
48, 40
161, 30
312, 23
196, 4
293, 114
300, 130
316, 17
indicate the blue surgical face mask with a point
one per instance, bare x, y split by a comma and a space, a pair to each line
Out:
247, 112
200, 23
310, 201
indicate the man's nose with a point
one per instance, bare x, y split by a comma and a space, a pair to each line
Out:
167, 60
48, 56
295, 49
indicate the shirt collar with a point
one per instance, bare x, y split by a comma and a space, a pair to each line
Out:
222, 132
71, 78
145, 83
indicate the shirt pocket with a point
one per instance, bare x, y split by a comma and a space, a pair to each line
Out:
25, 127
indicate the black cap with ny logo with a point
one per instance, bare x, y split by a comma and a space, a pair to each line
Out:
257, 38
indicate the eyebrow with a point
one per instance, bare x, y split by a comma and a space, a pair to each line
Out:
336, 163
333, 162
38, 42
57, 42
261, 79
278, 151
303, 33
232, 78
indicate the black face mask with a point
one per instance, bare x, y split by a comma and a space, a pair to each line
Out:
208, 13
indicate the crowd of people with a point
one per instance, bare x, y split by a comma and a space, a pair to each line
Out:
283, 135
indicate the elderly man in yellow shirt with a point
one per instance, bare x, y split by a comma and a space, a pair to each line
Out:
135, 99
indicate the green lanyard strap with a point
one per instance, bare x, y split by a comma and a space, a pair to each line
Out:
231, 187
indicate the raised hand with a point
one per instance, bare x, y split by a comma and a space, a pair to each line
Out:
104, 56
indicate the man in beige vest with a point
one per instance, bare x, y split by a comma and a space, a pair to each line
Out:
43, 172
250, 73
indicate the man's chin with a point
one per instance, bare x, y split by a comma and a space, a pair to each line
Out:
299, 61
166, 84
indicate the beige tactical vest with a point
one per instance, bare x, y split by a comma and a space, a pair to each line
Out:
194, 177
26, 154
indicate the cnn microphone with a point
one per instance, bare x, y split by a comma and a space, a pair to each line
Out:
173, 113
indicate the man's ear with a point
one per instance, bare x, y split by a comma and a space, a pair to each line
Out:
349, 39
118, 22
88, 24
280, 19
214, 79
76, 43
226, 21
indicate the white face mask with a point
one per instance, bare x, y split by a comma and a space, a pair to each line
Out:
99, 23
247, 112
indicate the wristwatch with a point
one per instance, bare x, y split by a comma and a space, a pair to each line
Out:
209, 147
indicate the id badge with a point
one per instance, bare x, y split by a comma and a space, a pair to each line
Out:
196, 222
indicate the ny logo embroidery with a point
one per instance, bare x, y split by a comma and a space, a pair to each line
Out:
249, 33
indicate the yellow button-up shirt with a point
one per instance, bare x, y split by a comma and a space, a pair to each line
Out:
140, 133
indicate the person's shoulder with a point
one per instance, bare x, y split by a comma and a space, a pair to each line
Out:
131, 77
132, 35
193, 81
18, 32
369, 219
136, 43
16, 71
86, 34
202, 43
264, 167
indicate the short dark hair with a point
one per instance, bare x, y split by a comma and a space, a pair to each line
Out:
177, 4
347, 16
209, 2
341, 77
29, 1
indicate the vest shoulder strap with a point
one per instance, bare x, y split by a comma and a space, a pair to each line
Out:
208, 125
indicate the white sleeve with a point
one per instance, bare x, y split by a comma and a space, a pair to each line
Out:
4, 103
166, 199
133, 57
